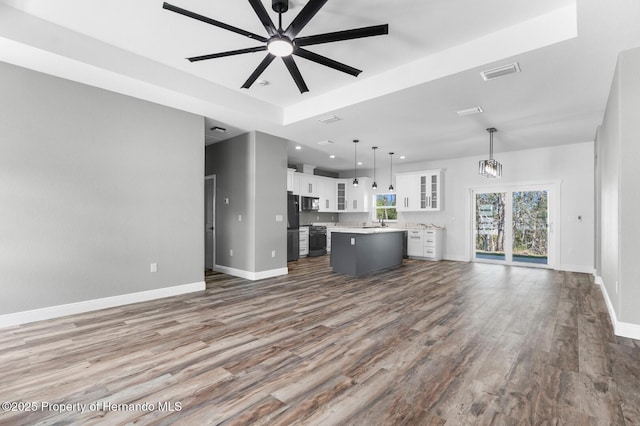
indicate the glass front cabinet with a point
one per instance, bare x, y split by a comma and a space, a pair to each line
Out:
419, 191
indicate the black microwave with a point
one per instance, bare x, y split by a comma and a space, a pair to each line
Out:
310, 204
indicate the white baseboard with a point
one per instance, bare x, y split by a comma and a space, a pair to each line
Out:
622, 329
455, 258
50, 312
253, 276
576, 268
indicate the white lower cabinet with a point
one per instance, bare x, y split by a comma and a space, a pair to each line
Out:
304, 241
433, 244
425, 244
415, 244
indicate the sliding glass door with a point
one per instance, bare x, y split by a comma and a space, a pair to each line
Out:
530, 225
512, 226
490, 226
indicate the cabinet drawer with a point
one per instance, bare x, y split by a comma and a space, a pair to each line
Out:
430, 241
430, 233
430, 252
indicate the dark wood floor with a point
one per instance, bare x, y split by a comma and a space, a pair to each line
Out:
429, 343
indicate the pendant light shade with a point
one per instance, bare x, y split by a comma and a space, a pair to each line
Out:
374, 186
391, 172
355, 161
490, 168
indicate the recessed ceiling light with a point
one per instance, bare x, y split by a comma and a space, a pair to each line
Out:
402, 157
359, 163
332, 156
498, 72
469, 111
329, 119
298, 147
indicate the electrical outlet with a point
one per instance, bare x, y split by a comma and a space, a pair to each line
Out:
279, 218
353, 241
230, 252
239, 218
153, 267
273, 253
226, 201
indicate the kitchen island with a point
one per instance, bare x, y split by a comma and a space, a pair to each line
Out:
359, 251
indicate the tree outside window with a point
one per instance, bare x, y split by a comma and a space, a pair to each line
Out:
386, 207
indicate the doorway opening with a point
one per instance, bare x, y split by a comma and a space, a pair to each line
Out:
514, 225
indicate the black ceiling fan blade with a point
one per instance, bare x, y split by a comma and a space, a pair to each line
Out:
263, 16
295, 73
261, 67
303, 18
374, 30
323, 60
228, 53
213, 22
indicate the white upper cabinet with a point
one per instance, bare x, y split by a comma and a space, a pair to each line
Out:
328, 197
341, 195
419, 191
359, 197
336, 195
290, 180
309, 185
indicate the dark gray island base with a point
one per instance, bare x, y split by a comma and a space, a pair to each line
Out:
359, 253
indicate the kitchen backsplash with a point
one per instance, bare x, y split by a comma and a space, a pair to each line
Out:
307, 218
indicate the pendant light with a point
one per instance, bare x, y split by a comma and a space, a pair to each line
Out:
391, 172
490, 168
355, 161
375, 185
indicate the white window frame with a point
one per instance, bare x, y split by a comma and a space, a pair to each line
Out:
374, 216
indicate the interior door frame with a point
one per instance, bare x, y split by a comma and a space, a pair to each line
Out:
213, 210
553, 209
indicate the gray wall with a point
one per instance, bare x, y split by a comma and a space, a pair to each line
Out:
251, 172
231, 162
270, 200
94, 186
618, 151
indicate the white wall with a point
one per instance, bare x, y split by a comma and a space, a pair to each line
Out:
94, 186
570, 165
617, 151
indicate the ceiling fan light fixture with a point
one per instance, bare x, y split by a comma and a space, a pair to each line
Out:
280, 46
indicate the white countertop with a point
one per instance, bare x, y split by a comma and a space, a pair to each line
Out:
337, 226
375, 230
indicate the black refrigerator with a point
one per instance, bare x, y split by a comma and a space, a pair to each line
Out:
293, 225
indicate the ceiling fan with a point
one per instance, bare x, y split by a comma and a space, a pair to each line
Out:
284, 43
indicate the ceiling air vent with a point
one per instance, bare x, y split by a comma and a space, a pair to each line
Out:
329, 119
469, 111
500, 71
327, 142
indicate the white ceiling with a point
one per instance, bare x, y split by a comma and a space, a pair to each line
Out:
413, 80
